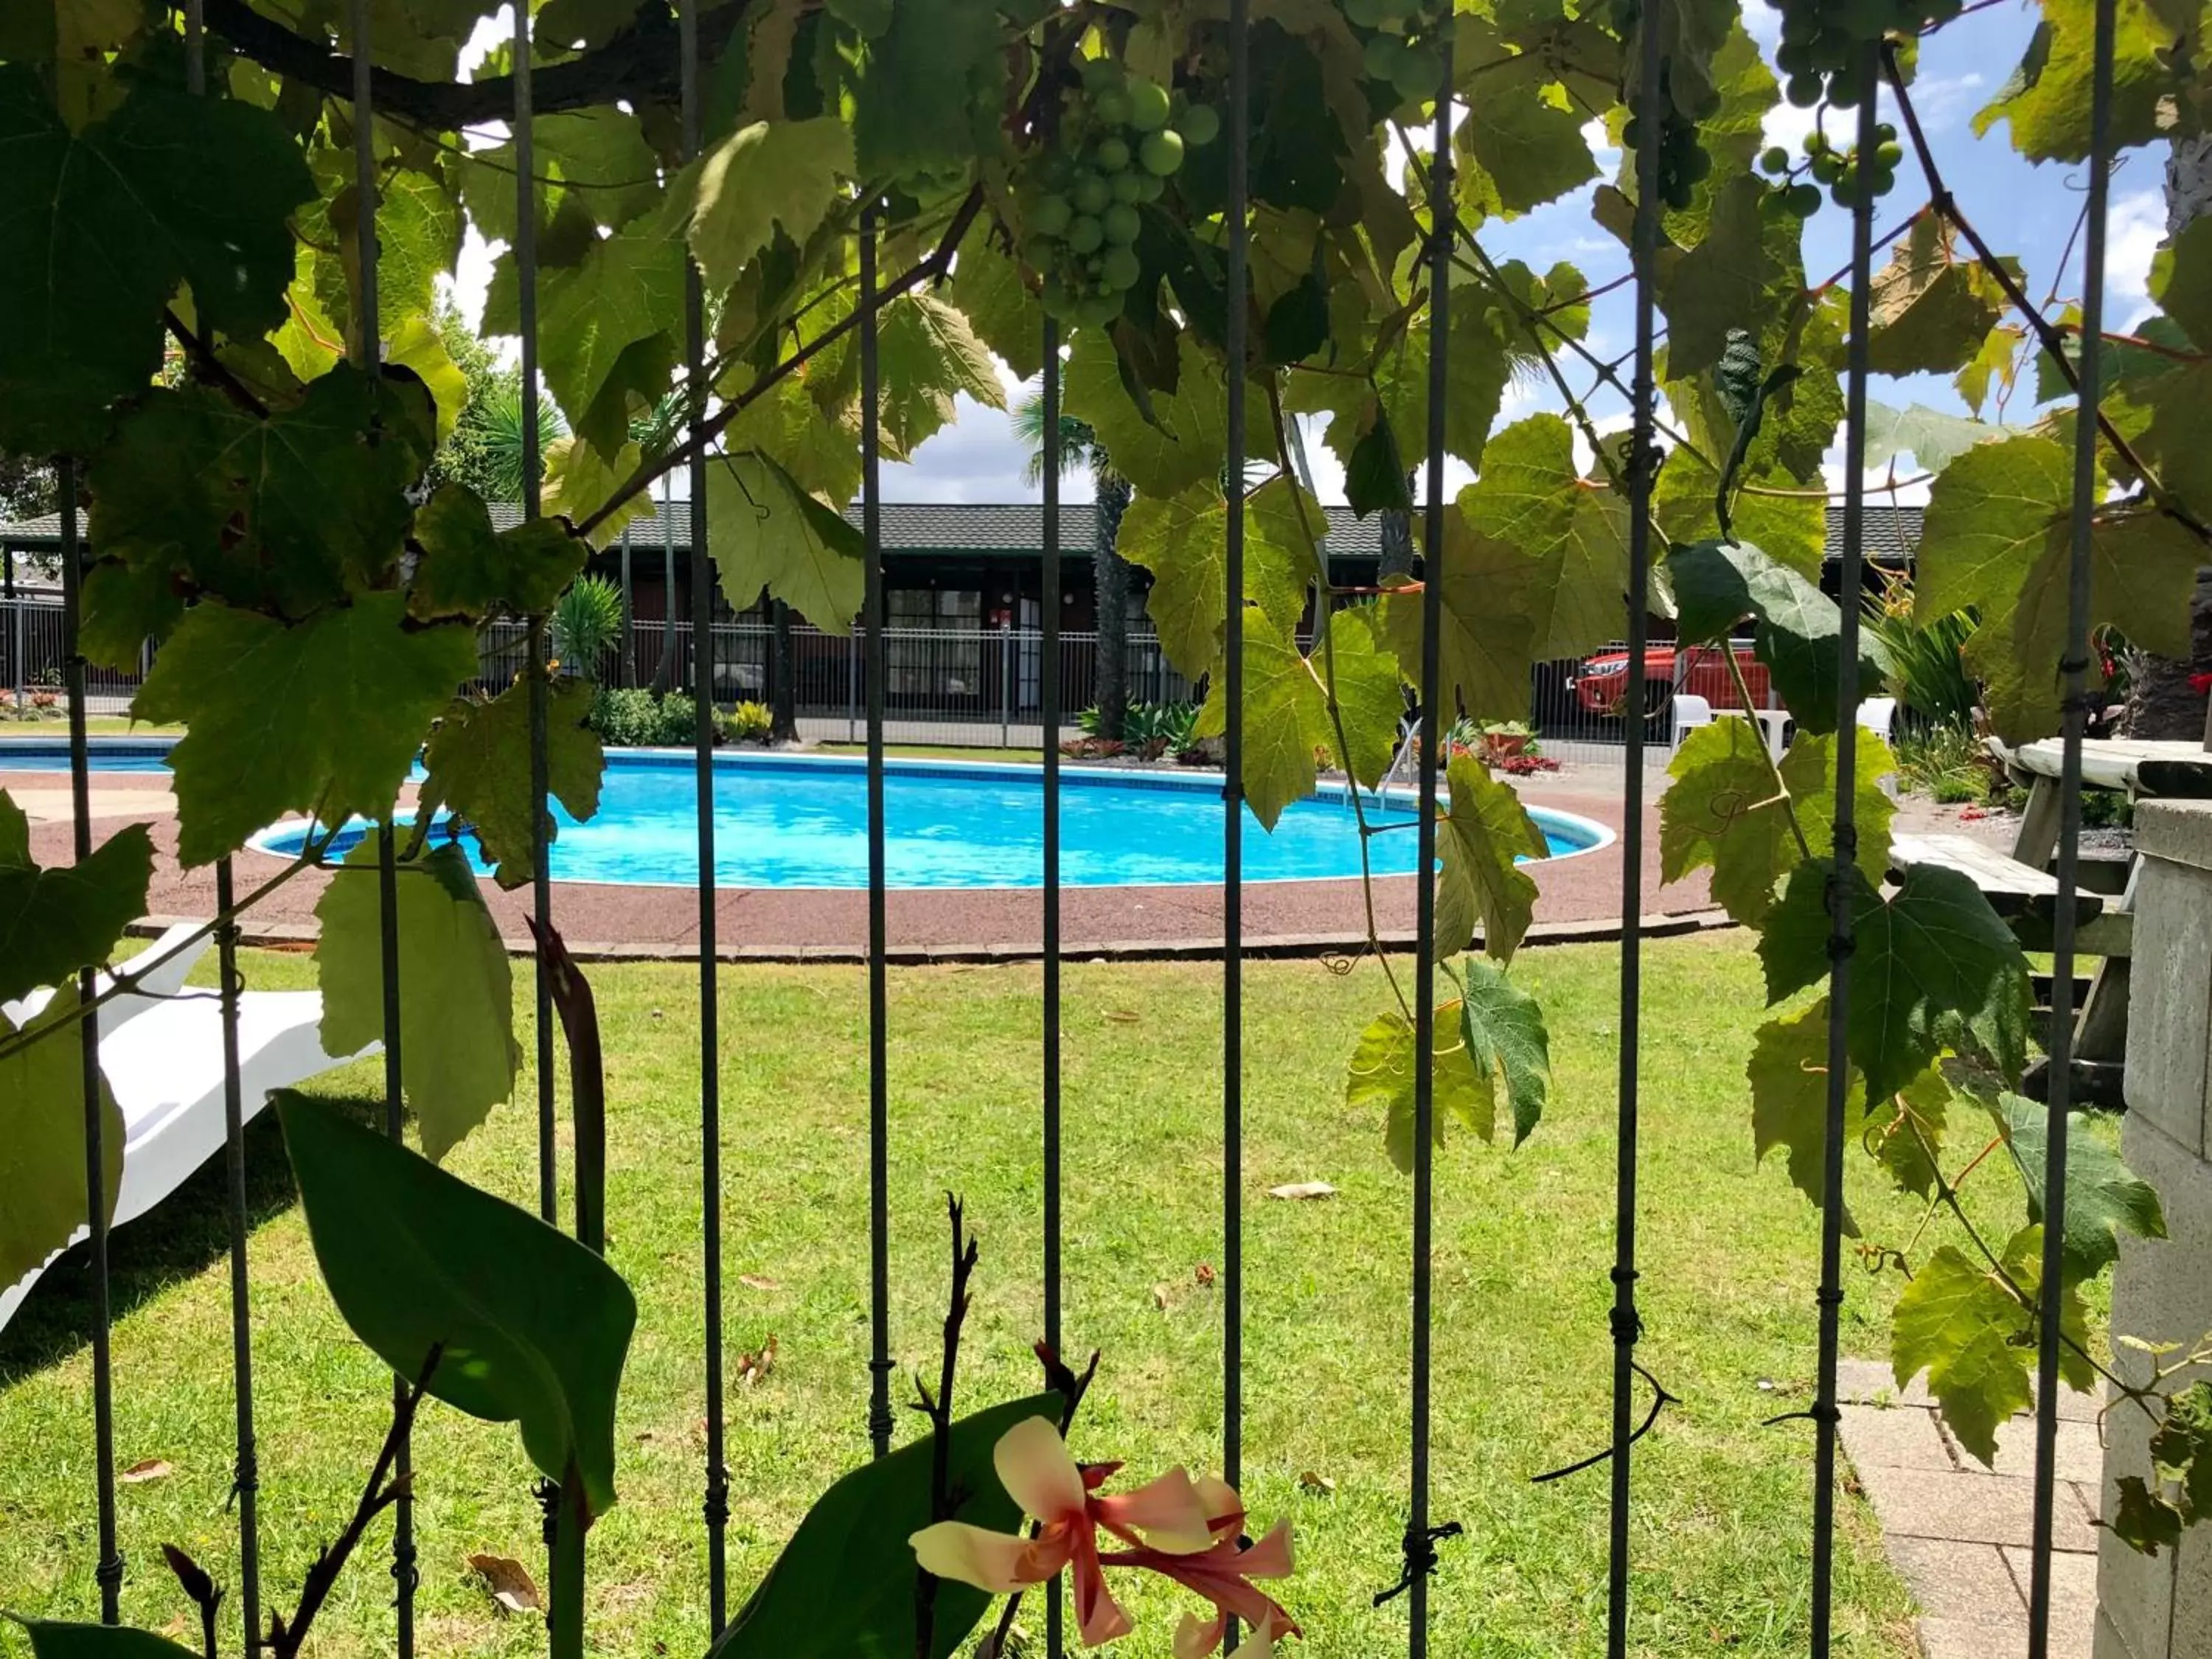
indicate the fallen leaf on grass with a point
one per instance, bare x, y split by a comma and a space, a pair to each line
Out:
1206, 1273
755, 1367
1160, 1298
150, 1468
1303, 1189
1311, 1480
1123, 1015
759, 1282
509, 1582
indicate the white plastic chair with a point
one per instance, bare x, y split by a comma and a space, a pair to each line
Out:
1879, 716
1690, 712
162, 1057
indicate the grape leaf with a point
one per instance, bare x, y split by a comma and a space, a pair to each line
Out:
771, 172
1006, 317
530, 1327
579, 479
627, 289
1930, 313
101, 225
1482, 833
2181, 280
1722, 282
1369, 695
468, 569
1792, 528
1524, 138
42, 1135
418, 238
1800, 635
929, 357
1286, 722
1997, 360
1531, 496
1183, 541
1503, 1027
1998, 539
1931, 968
1933, 439
600, 154
53, 923
930, 89
1789, 1078
283, 513
1183, 445
478, 761
458, 1054
1963, 1327
322, 716
2104, 1197
2047, 99
2179, 1493
1382, 1075
1488, 645
765, 531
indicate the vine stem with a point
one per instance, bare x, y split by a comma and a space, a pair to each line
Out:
2047, 334
943, 1501
381, 1492
1773, 766
1327, 642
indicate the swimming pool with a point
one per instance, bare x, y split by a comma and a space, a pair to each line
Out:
801, 822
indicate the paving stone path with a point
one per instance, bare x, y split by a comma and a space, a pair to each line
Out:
1959, 1532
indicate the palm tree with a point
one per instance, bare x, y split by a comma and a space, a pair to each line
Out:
488, 442
1111, 578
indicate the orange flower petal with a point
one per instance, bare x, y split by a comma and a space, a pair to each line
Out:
993, 1561
1037, 1472
1168, 1514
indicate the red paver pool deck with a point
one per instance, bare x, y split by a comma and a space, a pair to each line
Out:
1579, 897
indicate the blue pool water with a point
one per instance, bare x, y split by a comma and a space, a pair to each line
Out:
790, 821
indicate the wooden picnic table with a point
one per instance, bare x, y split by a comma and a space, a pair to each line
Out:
2022, 889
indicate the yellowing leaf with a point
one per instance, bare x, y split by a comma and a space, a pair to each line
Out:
1183, 541
42, 1135
765, 531
1382, 1074
1286, 722
769, 173
508, 1582
1185, 442
579, 480
1491, 595
457, 1051
1362, 678
1531, 496
1930, 313
2047, 99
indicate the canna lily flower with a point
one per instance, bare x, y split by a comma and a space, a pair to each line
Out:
1222, 1574
1167, 1519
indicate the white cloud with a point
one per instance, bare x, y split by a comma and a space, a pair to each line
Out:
1941, 99
2134, 226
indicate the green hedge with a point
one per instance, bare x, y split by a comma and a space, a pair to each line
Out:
637, 719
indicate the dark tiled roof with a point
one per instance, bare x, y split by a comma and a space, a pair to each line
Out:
948, 528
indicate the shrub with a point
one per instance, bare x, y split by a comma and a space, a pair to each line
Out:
1949, 763
636, 719
748, 723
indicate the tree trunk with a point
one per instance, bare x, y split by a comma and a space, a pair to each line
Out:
1111, 577
783, 681
2163, 703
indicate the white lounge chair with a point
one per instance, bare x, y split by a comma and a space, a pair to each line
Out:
1690, 712
1879, 716
162, 1057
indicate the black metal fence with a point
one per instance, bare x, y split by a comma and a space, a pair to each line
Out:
879, 666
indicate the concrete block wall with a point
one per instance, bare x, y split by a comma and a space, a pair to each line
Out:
2162, 1608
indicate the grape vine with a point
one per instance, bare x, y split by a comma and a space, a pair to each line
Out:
257, 509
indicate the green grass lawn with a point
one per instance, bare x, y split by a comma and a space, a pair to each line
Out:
1522, 1355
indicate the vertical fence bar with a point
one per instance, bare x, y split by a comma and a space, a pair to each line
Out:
245, 1480
716, 1508
872, 531
367, 346
1842, 884
1049, 714
1626, 1322
1232, 782
2050, 1330
1439, 251
107, 1572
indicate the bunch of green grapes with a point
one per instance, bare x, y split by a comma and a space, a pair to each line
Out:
1823, 50
1122, 138
1838, 169
1683, 162
1398, 46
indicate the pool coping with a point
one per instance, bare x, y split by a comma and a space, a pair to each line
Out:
1277, 946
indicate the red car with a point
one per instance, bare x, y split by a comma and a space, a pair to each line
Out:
1603, 686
